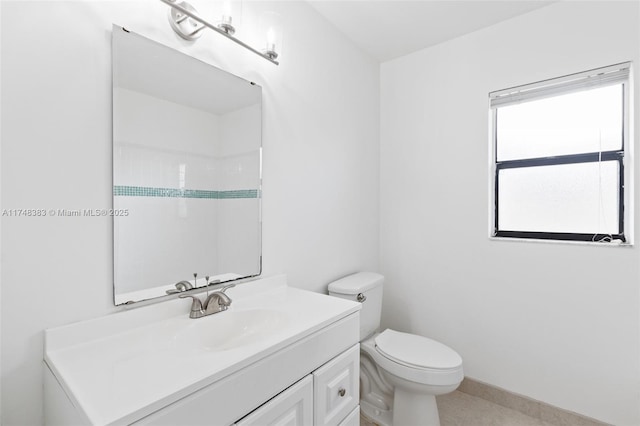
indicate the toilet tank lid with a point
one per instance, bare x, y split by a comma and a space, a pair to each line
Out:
356, 283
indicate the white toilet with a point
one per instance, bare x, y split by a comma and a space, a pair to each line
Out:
400, 373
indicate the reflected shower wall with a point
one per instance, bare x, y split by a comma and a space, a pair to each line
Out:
191, 182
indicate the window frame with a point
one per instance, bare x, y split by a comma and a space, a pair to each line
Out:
556, 87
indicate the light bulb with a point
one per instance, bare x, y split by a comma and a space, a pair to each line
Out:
226, 12
271, 39
271, 28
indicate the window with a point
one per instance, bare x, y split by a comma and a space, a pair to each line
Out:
559, 157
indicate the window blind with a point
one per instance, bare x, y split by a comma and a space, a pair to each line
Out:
571, 83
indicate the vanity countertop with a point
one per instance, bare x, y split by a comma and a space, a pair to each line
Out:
118, 368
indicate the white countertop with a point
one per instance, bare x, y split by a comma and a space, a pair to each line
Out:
129, 364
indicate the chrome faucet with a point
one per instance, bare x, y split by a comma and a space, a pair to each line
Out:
216, 302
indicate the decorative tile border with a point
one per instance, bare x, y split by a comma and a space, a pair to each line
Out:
531, 407
147, 191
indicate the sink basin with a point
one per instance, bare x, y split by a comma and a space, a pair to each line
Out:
230, 329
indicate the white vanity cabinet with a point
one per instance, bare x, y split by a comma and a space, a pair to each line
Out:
323, 398
327, 397
297, 363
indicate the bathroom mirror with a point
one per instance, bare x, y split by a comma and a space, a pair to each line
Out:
186, 171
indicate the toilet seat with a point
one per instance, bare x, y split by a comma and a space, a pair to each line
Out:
422, 375
416, 351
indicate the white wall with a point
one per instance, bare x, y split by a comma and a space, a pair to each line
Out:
556, 322
320, 162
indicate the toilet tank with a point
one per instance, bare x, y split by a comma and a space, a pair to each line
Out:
369, 285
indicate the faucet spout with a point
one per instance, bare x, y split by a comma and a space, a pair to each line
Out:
218, 301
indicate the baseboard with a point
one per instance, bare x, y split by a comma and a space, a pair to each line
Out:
525, 405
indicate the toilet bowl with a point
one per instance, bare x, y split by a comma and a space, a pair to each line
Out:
417, 369
400, 373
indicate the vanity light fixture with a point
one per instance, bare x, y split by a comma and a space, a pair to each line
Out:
188, 24
271, 27
226, 22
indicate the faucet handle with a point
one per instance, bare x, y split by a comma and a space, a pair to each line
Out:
196, 305
226, 287
223, 299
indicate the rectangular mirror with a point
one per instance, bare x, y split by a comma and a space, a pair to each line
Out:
186, 171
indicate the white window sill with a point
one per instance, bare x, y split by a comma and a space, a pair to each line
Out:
566, 242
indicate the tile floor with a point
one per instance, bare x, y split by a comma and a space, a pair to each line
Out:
461, 409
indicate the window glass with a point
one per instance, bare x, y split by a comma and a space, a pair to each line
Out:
568, 198
574, 123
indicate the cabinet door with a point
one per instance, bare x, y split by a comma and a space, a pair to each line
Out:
353, 419
336, 387
293, 407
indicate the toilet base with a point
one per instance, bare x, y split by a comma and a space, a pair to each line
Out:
410, 408
375, 414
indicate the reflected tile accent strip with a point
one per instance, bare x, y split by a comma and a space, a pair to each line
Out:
148, 191
240, 193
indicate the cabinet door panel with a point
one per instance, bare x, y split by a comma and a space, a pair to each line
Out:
336, 388
293, 407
